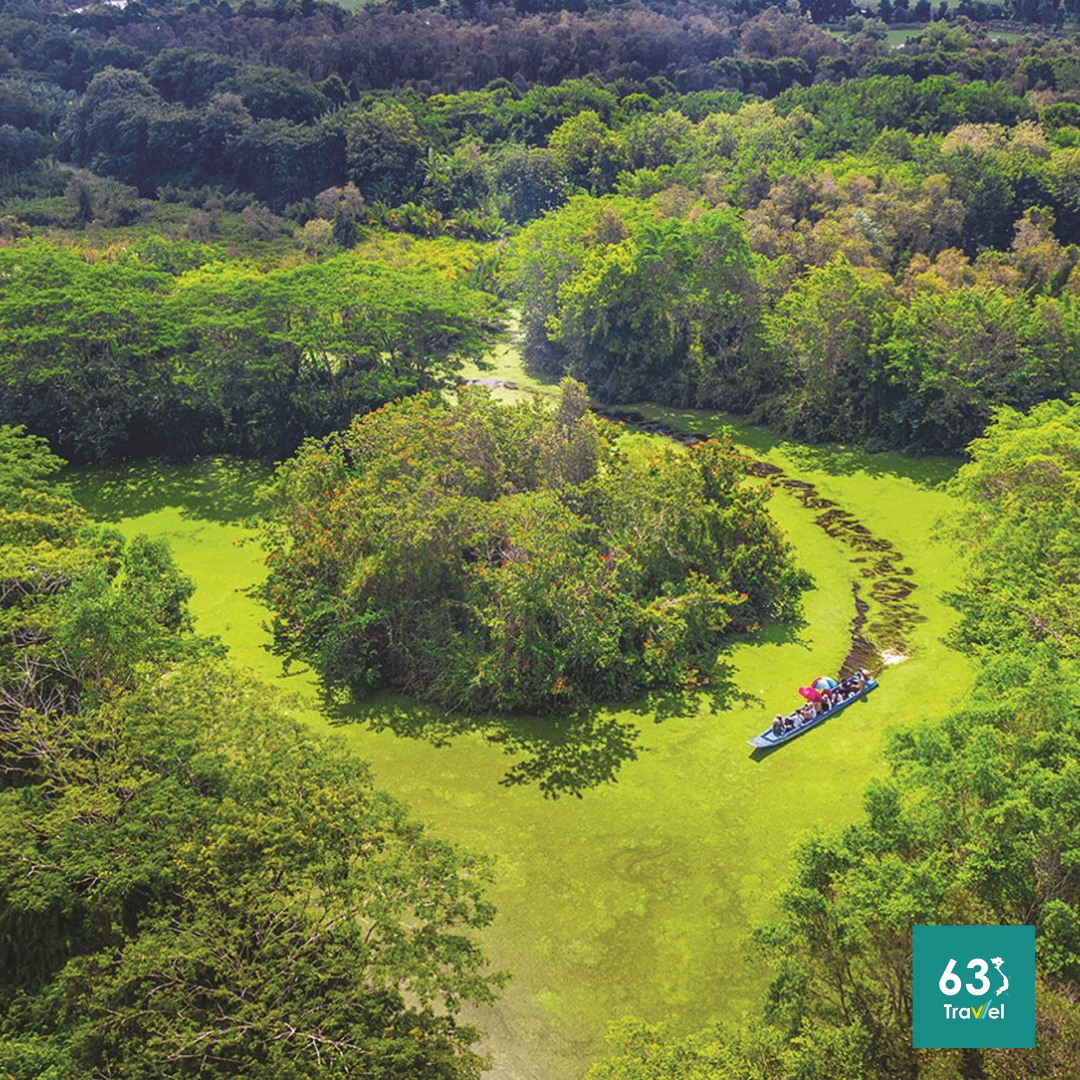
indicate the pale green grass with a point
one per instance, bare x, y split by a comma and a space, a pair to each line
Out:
636, 898
898, 35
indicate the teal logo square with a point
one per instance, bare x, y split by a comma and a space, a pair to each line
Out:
973, 986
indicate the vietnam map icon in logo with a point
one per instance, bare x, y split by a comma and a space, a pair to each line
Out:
973, 986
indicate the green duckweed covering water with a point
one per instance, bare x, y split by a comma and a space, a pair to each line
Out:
637, 846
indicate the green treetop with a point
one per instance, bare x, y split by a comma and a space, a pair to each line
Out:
509, 558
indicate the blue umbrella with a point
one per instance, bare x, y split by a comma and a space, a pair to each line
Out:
825, 683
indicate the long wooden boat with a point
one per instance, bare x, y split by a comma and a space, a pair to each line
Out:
767, 739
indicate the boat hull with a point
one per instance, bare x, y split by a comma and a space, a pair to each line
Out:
767, 740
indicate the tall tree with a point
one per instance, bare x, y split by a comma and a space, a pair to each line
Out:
822, 331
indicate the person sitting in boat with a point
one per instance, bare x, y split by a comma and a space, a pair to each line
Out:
858, 680
853, 684
806, 713
789, 722
778, 725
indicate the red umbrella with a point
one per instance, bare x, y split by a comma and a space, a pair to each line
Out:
810, 693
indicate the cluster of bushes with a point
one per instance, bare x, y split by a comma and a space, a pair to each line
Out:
977, 821
192, 882
491, 557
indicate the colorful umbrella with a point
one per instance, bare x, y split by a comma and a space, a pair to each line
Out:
809, 693
823, 682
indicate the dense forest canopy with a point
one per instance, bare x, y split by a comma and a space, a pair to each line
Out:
758, 210
644, 302
252, 227
284, 101
167, 347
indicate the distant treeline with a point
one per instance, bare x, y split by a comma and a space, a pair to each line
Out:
263, 98
835, 237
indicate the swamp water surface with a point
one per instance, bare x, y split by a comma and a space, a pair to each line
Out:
634, 847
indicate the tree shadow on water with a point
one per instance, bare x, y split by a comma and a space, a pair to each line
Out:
927, 471
719, 695
560, 755
214, 489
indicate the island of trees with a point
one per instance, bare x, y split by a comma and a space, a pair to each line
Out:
514, 557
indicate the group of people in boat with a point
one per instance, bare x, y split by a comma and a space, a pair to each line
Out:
820, 701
